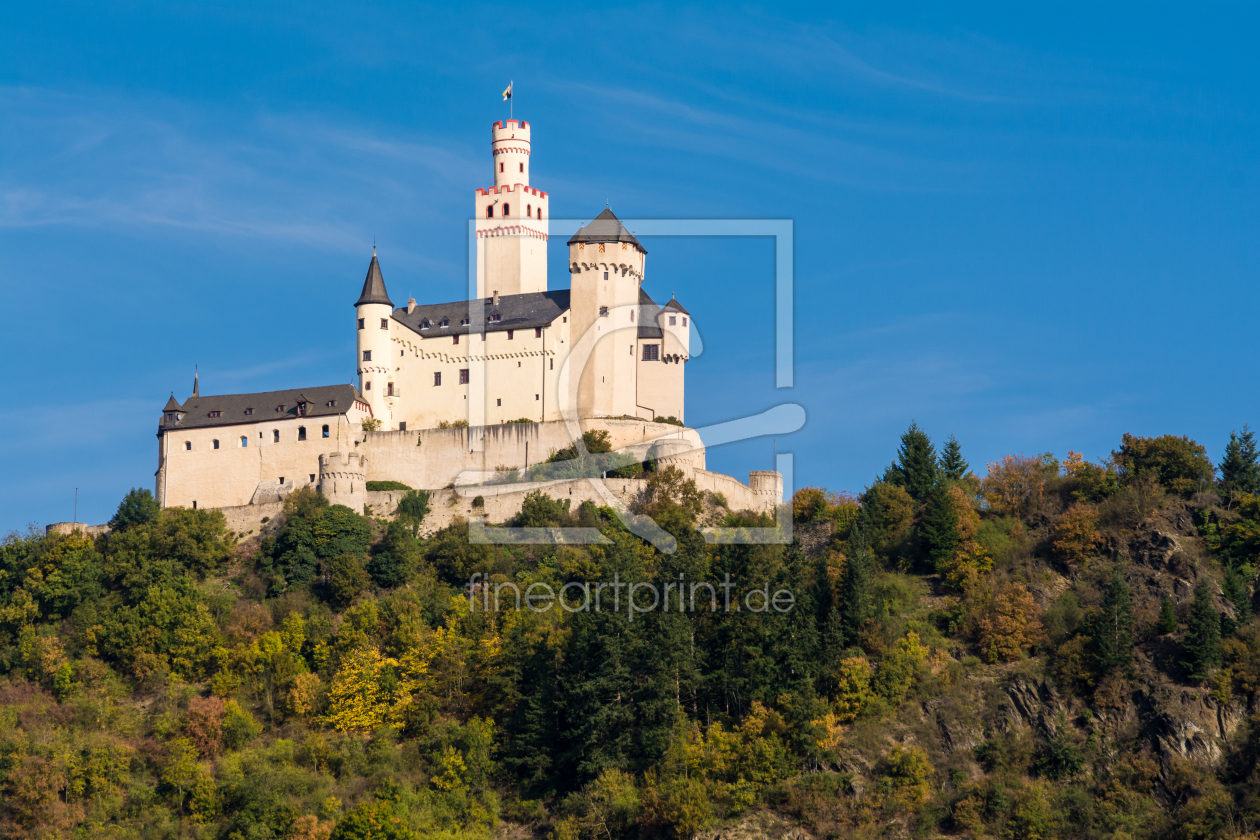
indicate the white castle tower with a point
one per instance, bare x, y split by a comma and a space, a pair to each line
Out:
511, 219
372, 311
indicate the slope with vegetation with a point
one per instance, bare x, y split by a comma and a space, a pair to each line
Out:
1057, 649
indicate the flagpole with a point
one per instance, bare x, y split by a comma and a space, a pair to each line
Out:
512, 96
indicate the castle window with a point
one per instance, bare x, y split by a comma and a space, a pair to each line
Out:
535, 396
601, 247
684, 320
249, 411
632, 316
214, 414
498, 402
325, 430
673, 320
603, 312
402, 427
282, 479
402, 352
384, 323
529, 210
244, 441
537, 332
389, 389
437, 377
312, 478
500, 167
301, 433
367, 386
651, 352
216, 444
565, 319
511, 334
507, 208
360, 323
367, 355
540, 212
490, 212
454, 339
187, 444
194, 504
424, 325
463, 376
553, 364
522, 167
275, 435
631, 349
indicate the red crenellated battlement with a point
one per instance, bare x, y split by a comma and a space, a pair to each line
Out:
511, 189
502, 125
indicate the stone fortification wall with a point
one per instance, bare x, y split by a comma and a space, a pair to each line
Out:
254, 520
738, 495
435, 458
89, 531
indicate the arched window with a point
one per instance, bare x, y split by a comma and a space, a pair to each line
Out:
325, 430
507, 208
529, 210
490, 212
540, 212
275, 435
216, 444
301, 433
244, 441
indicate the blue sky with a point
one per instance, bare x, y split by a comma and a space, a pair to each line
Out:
1032, 228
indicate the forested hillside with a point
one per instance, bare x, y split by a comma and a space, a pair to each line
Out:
1037, 649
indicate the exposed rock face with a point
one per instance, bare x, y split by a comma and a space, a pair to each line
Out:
1028, 703
759, 826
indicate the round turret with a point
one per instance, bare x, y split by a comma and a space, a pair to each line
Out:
768, 485
343, 479
509, 144
374, 322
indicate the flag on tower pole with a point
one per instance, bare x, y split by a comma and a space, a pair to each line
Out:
507, 97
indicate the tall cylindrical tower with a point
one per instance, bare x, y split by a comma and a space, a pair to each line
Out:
374, 312
511, 218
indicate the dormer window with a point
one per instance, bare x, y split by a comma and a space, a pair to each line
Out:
463, 322
495, 318
445, 322
280, 408
332, 403
424, 325
249, 411
215, 413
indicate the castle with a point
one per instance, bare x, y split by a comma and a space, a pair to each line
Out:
449, 392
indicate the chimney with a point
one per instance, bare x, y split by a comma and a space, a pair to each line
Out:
411, 305
496, 297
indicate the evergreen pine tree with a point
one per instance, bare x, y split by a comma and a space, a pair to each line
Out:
1112, 630
940, 527
1235, 589
1240, 468
1202, 647
916, 468
1167, 617
855, 589
952, 464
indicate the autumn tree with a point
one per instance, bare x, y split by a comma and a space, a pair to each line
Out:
1076, 536
1005, 623
1013, 486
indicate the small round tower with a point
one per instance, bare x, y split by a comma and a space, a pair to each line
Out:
509, 146
343, 479
768, 485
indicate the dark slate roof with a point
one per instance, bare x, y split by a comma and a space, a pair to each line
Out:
648, 310
172, 405
674, 304
516, 312
606, 228
231, 407
373, 286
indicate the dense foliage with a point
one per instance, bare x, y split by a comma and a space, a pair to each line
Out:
963, 655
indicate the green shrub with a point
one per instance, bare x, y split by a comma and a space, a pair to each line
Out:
380, 486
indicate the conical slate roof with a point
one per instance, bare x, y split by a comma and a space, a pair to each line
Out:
606, 228
374, 286
172, 405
